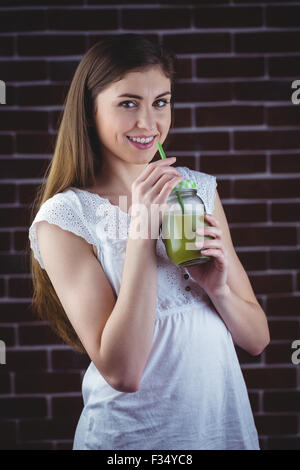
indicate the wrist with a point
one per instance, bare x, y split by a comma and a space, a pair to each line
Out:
221, 293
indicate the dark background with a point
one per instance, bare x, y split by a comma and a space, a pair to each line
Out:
234, 119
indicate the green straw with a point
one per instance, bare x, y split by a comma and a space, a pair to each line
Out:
163, 155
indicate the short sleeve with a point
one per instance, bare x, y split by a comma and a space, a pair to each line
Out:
206, 188
65, 214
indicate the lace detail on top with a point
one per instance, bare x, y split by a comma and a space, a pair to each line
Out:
106, 226
67, 214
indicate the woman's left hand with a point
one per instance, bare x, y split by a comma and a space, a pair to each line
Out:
212, 275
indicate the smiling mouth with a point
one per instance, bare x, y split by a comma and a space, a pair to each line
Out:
141, 140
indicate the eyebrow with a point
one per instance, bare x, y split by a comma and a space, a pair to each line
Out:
130, 95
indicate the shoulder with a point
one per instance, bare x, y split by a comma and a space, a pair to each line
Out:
198, 176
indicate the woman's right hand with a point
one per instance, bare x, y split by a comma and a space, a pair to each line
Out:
150, 191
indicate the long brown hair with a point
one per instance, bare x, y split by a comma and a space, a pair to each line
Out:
77, 158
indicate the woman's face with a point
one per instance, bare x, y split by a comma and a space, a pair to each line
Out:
148, 114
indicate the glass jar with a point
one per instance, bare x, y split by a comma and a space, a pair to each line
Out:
180, 221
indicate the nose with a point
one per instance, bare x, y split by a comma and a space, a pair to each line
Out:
146, 119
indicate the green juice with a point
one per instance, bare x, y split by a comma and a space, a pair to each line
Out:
179, 237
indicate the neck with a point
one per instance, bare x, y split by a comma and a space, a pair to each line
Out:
119, 178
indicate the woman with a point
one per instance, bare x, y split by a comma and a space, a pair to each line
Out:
164, 371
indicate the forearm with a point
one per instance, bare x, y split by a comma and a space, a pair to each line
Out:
128, 333
246, 321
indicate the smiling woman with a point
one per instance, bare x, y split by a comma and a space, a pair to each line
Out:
149, 328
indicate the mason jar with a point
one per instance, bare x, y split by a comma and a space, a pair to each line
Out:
184, 215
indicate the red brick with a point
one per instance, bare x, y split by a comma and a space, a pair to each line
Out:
65, 445
41, 2
267, 41
202, 92
67, 407
233, 164
280, 353
13, 216
253, 260
17, 312
23, 360
284, 305
282, 401
4, 241
182, 118
265, 90
57, 428
18, 407
285, 163
184, 160
228, 17
67, 359
23, 167
6, 144
35, 143
11, 263
6, 46
263, 236
284, 66
51, 44
229, 115
2, 287
153, 18
37, 335
270, 283
276, 424
23, 120
43, 382
23, 70
35, 446
267, 188
285, 259
283, 116
289, 212
198, 141
41, 95
282, 443
239, 213
284, 329
22, 20
230, 67
196, 43
282, 16
82, 19
8, 335
5, 387
62, 70
184, 68
20, 288
20, 240
7, 193
263, 378
8, 432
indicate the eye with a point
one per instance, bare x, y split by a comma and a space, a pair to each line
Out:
162, 101
125, 104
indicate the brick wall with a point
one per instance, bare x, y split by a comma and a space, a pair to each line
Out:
234, 119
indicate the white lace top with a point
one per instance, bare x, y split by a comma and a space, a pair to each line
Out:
192, 394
